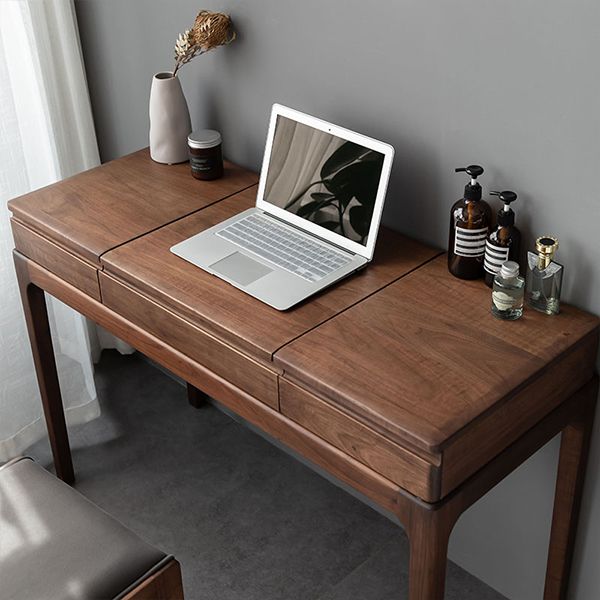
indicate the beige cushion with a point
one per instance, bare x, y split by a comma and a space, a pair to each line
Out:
54, 543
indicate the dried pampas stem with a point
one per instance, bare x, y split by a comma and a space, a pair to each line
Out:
210, 30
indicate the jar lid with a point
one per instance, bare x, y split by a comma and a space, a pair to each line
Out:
204, 138
509, 269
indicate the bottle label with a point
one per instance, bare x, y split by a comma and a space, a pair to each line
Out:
469, 242
495, 256
203, 163
503, 301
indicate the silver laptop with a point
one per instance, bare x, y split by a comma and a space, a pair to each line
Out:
319, 204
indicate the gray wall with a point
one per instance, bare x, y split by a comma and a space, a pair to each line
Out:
512, 85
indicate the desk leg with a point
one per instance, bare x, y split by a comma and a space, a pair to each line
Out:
197, 398
574, 447
38, 327
428, 533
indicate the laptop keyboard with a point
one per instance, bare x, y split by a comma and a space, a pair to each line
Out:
282, 246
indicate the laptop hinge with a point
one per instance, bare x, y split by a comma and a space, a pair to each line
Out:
310, 233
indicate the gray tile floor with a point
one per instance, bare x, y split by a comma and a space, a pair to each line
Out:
246, 520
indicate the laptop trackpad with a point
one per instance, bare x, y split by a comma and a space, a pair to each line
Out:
240, 268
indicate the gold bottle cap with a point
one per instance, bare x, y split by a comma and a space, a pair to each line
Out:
546, 246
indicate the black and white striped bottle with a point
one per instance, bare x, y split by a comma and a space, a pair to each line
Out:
504, 242
470, 220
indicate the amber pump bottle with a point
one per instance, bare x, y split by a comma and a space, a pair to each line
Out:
470, 220
504, 243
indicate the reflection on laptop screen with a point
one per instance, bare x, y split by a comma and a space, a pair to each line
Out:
323, 178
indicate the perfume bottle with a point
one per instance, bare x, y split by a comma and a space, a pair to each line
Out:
507, 292
470, 220
504, 242
544, 277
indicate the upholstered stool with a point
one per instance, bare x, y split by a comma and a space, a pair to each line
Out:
54, 543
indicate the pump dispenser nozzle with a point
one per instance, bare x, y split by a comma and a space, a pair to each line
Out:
506, 217
473, 189
473, 170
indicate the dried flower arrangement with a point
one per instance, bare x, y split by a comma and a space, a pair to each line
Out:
210, 30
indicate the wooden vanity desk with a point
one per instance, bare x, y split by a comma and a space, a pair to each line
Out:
397, 381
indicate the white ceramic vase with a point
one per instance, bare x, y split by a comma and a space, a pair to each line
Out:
170, 122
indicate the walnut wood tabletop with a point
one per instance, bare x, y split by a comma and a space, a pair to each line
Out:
209, 302
397, 381
105, 207
444, 376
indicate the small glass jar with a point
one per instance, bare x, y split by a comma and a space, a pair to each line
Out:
206, 157
507, 292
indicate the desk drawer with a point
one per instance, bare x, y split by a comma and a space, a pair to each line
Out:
413, 473
235, 367
58, 261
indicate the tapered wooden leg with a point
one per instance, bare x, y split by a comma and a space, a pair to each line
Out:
428, 534
38, 327
197, 398
574, 447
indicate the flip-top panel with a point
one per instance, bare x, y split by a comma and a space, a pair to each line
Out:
146, 264
102, 208
424, 363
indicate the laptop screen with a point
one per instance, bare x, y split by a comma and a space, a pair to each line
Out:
323, 178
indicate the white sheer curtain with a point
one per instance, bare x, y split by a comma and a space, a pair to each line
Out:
46, 134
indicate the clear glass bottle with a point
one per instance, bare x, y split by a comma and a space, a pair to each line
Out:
544, 277
507, 292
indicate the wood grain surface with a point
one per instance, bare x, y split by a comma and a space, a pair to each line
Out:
572, 464
397, 381
104, 207
414, 473
77, 271
251, 376
33, 299
380, 489
424, 359
242, 321
516, 412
